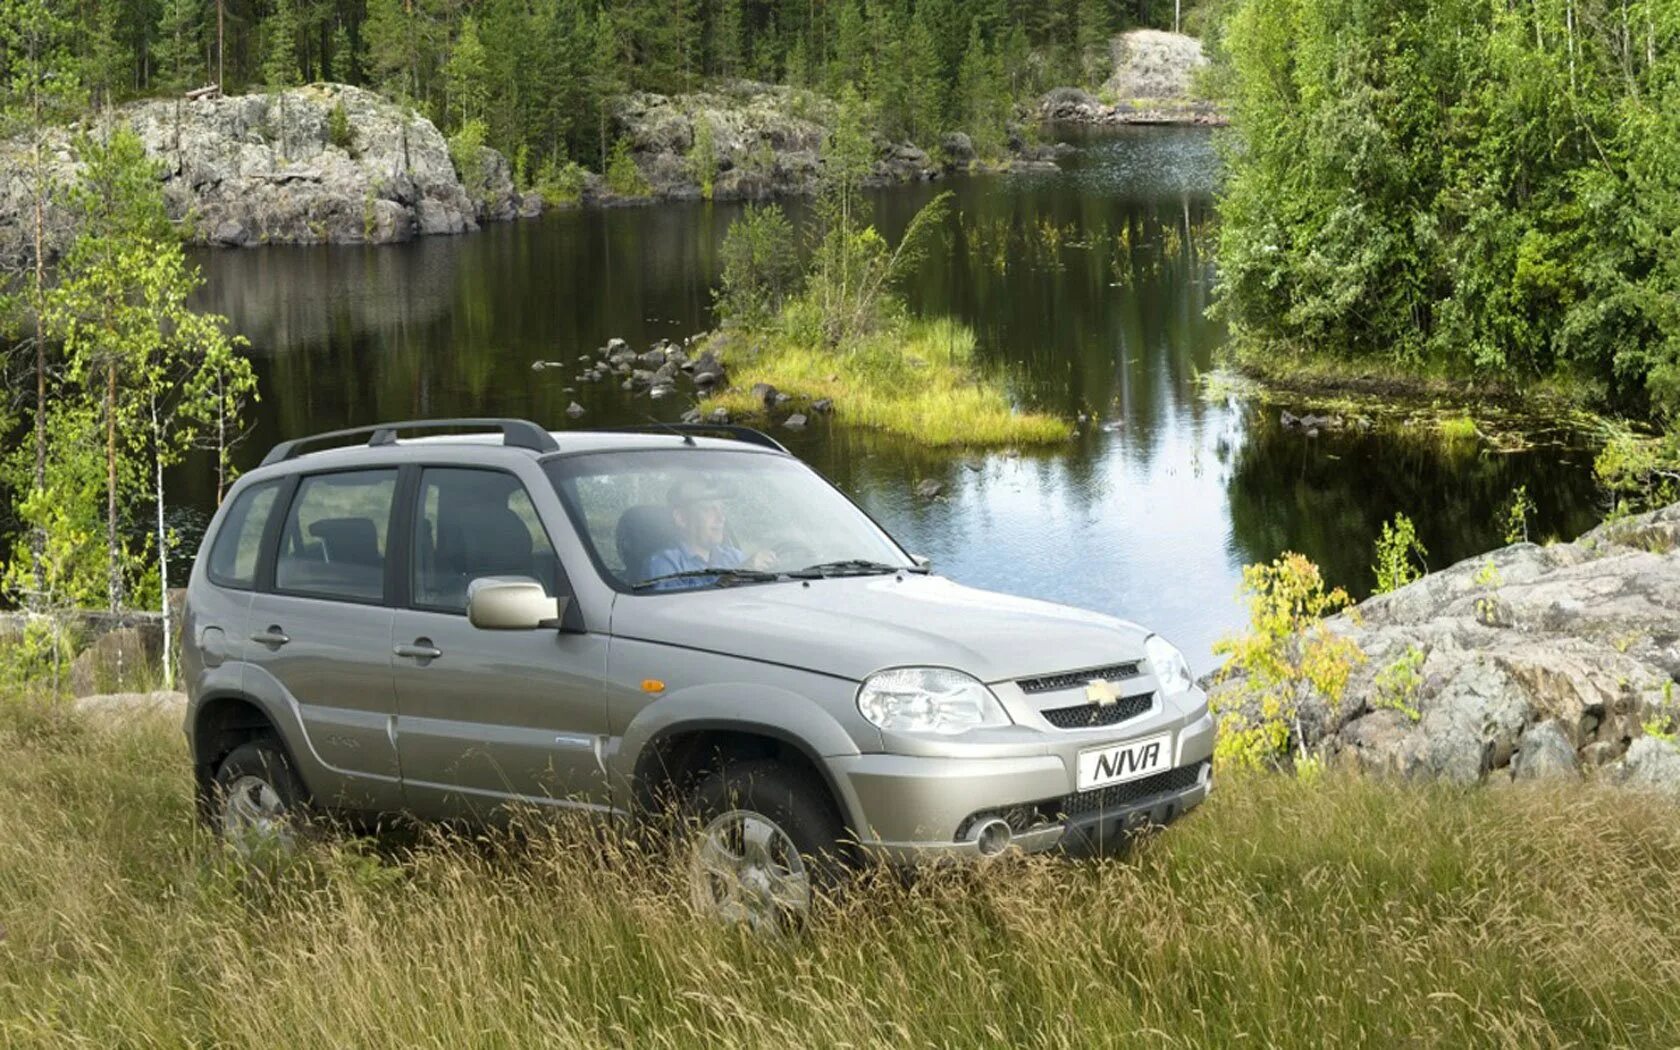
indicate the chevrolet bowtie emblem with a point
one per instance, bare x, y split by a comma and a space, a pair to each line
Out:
1101, 691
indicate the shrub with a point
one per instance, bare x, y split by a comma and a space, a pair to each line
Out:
561, 181
760, 267
339, 132
1639, 473
623, 177
1396, 686
1399, 555
1517, 513
466, 149
702, 156
1287, 657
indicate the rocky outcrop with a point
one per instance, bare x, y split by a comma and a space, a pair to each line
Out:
266, 169
1153, 83
766, 141
1533, 662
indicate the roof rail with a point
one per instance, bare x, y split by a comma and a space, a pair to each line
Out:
516, 433
731, 430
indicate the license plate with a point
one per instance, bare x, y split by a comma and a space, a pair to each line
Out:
1118, 763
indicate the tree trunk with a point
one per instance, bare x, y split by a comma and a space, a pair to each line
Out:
113, 566
37, 536
168, 659
220, 83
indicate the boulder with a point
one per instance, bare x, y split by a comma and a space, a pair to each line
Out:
1535, 661
263, 169
1545, 753
1651, 764
928, 488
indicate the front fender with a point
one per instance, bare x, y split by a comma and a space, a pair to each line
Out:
744, 707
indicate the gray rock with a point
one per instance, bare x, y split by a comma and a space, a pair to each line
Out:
718, 416
1544, 753
1651, 764
660, 392
261, 169
928, 488
616, 346
764, 394
1526, 652
706, 378
794, 422
691, 416
652, 359
823, 405
957, 147
574, 410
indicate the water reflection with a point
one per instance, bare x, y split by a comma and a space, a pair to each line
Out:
1088, 287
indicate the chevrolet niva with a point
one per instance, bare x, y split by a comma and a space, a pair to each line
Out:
447, 626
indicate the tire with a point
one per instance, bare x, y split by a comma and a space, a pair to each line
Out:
259, 803
767, 844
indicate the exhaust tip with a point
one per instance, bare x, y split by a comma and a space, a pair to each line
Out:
992, 836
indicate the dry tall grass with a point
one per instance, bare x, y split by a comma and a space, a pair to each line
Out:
1342, 913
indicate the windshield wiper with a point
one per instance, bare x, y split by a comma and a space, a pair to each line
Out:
848, 567
742, 575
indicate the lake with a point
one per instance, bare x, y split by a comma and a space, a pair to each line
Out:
1088, 287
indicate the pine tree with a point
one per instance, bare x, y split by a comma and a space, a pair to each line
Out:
467, 74
392, 53
1092, 41
889, 76
929, 84
851, 49
280, 63
726, 39
606, 74
176, 52
342, 64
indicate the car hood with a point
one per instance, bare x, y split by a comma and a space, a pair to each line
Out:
854, 626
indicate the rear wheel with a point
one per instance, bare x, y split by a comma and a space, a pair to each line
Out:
259, 800
768, 844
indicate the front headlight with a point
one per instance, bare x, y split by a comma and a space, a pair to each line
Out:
929, 700
1169, 665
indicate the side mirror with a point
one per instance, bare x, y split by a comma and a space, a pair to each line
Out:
922, 561
512, 603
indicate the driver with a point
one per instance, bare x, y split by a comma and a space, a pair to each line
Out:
697, 511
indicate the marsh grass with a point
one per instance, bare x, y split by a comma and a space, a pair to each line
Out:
1340, 913
917, 379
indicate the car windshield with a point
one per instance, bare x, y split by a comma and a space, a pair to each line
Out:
684, 517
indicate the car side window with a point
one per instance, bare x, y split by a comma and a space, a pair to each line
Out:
474, 523
238, 546
333, 543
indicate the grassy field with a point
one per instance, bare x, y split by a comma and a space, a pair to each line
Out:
919, 383
1341, 913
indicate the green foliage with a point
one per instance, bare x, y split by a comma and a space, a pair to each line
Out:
176, 51
623, 176
466, 149
1287, 656
1400, 555
561, 181
467, 75
1517, 512
760, 267
339, 132
1640, 473
145, 376
702, 156
280, 37
1396, 686
1458, 187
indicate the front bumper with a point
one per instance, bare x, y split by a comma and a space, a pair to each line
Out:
912, 809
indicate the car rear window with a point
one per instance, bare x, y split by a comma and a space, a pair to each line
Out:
234, 555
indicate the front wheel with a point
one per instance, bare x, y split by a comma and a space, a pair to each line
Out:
768, 843
259, 800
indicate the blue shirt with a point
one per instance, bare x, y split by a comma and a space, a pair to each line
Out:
681, 559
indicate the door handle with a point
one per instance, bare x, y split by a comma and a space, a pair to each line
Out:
274, 637
421, 649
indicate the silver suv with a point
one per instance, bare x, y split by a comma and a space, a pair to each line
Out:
444, 626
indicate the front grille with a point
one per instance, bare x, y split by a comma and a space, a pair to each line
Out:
1088, 716
1116, 795
1074, 679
